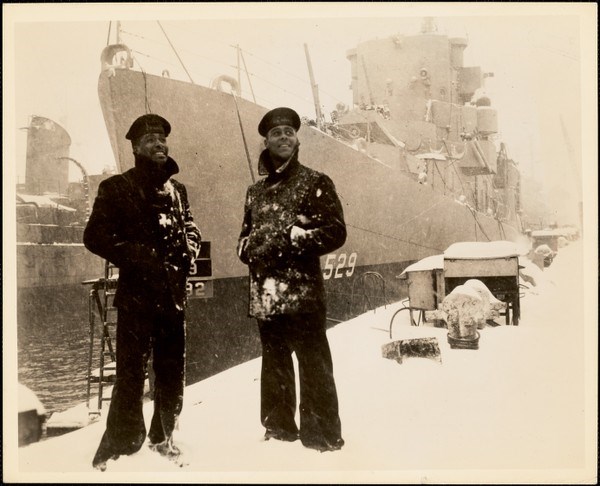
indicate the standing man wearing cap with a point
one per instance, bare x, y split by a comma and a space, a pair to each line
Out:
291, 218
141, 222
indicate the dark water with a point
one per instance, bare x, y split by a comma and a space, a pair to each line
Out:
53, 345
54, 339
54, 332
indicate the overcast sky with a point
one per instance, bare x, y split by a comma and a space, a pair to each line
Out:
537, 61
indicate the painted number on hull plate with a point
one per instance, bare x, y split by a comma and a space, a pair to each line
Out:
195, 289
340, 265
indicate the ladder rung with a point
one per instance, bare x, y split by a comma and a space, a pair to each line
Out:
105, 379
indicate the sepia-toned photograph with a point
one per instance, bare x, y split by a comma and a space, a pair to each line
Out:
293, 242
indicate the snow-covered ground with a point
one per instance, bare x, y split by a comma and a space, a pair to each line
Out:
521, 408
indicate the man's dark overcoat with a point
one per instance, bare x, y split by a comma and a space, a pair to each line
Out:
286, 277
148, 233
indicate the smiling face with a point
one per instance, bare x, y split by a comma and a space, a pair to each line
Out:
281, 142
153, 146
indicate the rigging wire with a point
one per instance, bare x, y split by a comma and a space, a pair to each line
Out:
175, 51
395, 238
108, 36
303, 98
195, 54
146, 99
237, 110
420, 214
191, 53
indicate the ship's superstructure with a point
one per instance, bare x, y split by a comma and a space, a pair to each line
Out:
419, 108
51, 215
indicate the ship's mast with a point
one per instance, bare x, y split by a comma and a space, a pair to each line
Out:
315, 88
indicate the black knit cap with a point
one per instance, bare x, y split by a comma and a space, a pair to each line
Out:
276, 117
150, 123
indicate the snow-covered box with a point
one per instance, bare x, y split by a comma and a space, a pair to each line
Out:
425, 282
495, 263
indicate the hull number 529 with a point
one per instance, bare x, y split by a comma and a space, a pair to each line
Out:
339, 265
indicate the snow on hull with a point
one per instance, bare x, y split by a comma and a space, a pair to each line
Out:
512, 410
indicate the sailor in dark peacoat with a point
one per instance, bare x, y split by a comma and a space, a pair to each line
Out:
291, 218
141, 222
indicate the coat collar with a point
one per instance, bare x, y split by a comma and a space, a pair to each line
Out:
149, 173
266, 167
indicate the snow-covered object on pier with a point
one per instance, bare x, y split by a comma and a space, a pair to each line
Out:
464, 312
433, 262
32, 416
491, 305
472, 250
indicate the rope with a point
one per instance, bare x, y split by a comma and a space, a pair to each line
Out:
478, 224
502, 232
441, 177
146, 100
237, 110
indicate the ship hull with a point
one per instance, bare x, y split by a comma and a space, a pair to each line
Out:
390, 217
392, 221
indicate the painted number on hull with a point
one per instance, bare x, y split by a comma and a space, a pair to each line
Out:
196, 289
339, 266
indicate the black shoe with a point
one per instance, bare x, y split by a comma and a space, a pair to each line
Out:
323, 445
281, 435
170, 451
102, 457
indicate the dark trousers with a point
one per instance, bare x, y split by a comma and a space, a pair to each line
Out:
305, 335
138, 332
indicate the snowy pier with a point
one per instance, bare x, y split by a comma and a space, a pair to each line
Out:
516, 409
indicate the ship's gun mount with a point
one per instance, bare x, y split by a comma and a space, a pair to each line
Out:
116, 56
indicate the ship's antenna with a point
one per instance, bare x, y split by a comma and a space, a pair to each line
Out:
175, 51
315, 88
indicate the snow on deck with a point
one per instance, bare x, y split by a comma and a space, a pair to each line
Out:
513, 410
